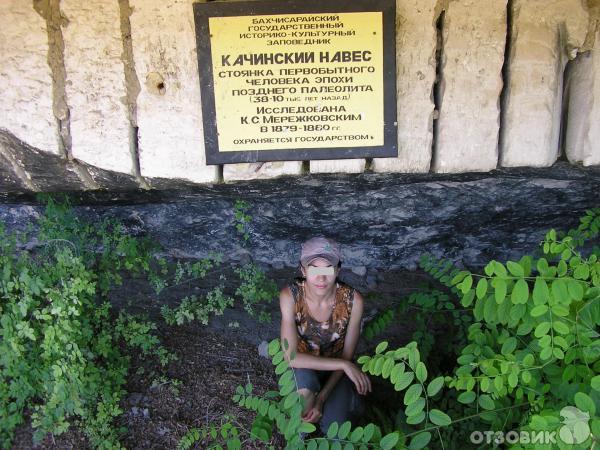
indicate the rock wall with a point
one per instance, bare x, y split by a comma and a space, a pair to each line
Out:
583, 100
384, 222
107, 91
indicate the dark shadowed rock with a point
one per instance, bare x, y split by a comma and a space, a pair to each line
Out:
384, 221
48, 172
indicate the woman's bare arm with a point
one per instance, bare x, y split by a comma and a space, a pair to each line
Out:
306, 361
350, 343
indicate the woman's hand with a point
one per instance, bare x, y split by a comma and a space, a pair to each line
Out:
314, 414
358, 377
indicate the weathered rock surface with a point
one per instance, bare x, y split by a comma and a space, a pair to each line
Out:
544, 36
337, 166
473, 54
260, 170
169, 113
416, 41
384, 222
95, 85
583, 117
30, 169
25, 76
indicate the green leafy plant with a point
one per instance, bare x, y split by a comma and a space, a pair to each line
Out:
534, 347
193, 308
213, 437
429, 309
242, 219
282, 409
530, 348
256, 291
60, 344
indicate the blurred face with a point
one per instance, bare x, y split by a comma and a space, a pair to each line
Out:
320, 275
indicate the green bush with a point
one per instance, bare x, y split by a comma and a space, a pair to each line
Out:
529, 355
61, 354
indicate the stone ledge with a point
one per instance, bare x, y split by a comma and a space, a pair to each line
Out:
384, 221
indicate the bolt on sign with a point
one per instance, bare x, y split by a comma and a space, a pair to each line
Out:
297, 80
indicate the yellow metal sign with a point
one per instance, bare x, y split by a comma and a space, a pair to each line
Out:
289, 81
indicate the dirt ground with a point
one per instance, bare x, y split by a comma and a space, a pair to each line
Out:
195, 390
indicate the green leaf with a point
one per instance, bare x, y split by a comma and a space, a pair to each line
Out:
486, 402
307, 427
273, 347
538, 310
559, 291
404, 380
466, 284
560, 327
459, 277
560, 310
499, 290
520, 292
482, 286
545, 341
281, 367
485, 384
596, 383
396, 372
466, 397
363, 359
356, 434
412, 394
381, 347
287, 388
509, 346
387, 367
540, 291
416, 407
420, 441
416, 419
467, 299
499, 269
542, 329
332, 430
498, 383
542, 265
546, 353
434, 386
368, 432
538, 422
575, 290
582, 272
389, 441
421, 372
344, 430
291, 400
439, 418
515, 269
585, 403
278, 357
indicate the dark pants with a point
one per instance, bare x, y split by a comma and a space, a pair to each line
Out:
343, 403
